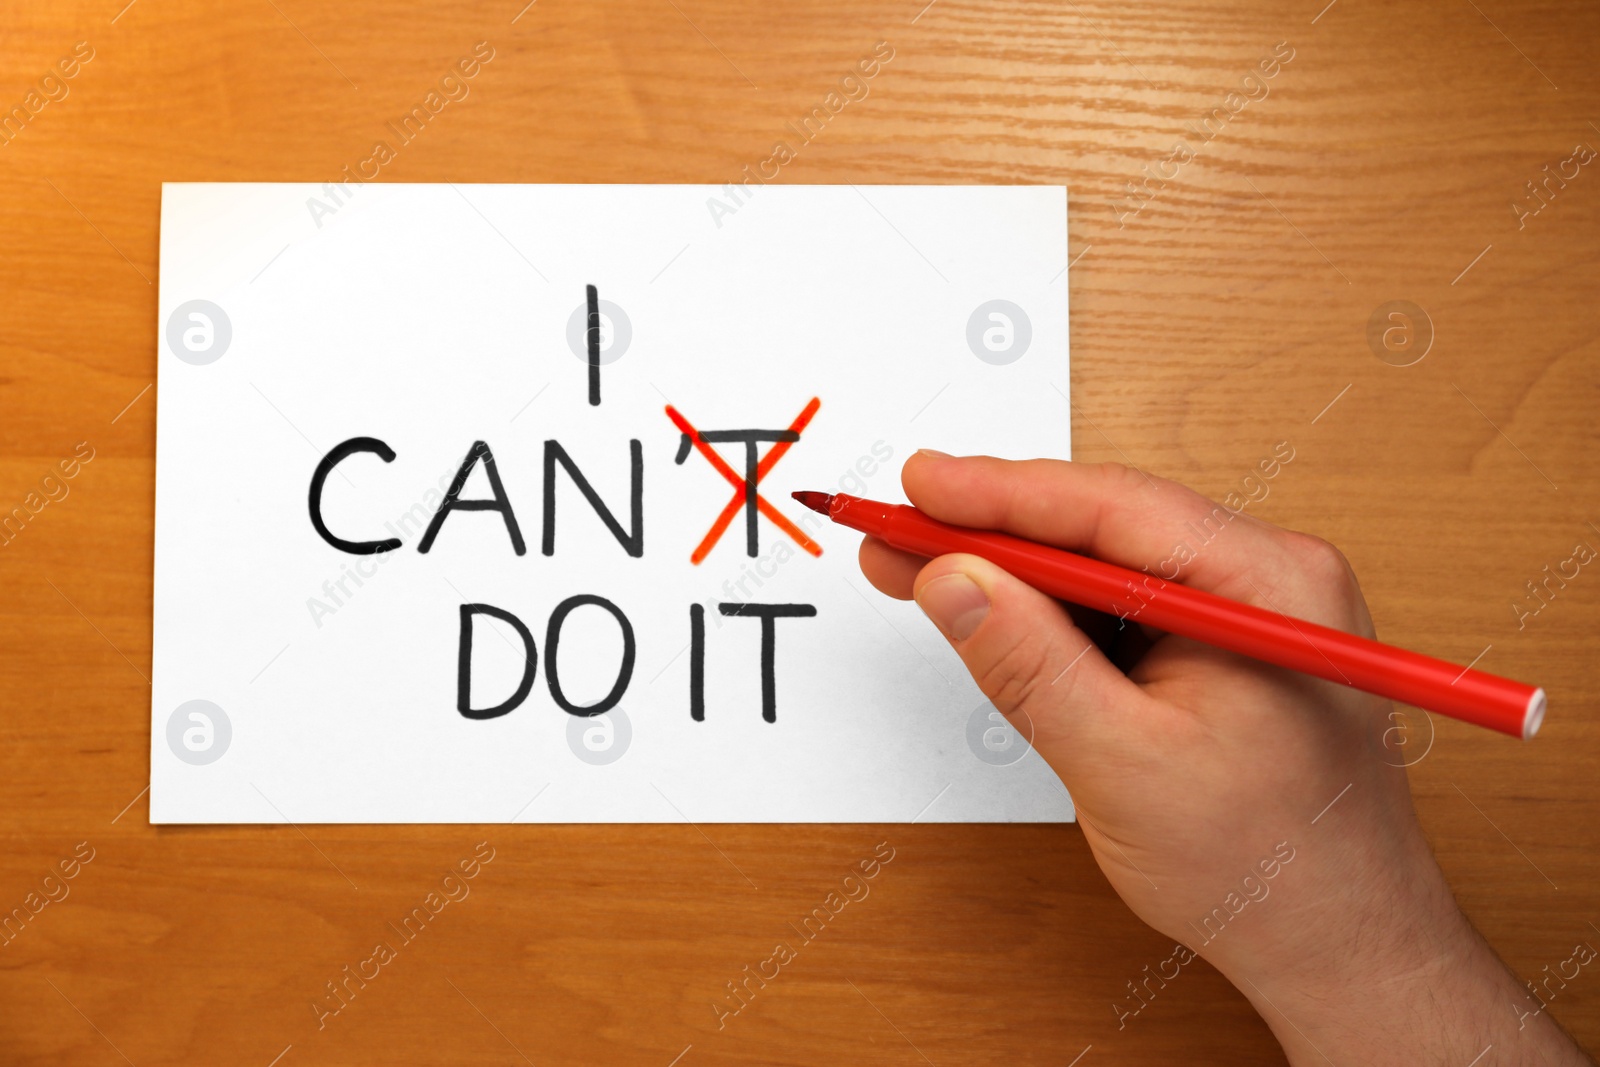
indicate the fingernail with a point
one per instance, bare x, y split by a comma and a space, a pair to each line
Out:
955, 604
934, 453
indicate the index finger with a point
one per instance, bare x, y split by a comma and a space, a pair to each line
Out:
1124, 516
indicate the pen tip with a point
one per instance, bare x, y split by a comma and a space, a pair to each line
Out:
817, 502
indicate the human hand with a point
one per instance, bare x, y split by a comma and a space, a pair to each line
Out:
1251, 813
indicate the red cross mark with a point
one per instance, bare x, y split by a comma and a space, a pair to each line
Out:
746, 488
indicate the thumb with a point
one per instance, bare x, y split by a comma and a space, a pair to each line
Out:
1025, 653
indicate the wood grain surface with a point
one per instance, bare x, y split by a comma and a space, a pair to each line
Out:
1224, 309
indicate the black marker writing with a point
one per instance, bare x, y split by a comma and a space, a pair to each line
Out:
325, 468
697, 662
624, 670
453, 502
593, 295
464, 663
632, 540
627, 530
752, 474
769, 614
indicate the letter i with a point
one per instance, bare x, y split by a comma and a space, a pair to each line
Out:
697, 662
594, 345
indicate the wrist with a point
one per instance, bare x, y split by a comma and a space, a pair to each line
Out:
1412, 981
1355, 911
1374, 977
1366, 951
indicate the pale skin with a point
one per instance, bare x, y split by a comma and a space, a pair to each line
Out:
1191, 766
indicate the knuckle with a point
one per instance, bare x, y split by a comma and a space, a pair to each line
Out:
1322, 565
1011, 677
1121, 478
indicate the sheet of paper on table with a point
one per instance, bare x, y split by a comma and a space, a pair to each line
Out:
426, 554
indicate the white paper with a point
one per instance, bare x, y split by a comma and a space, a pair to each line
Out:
431, 317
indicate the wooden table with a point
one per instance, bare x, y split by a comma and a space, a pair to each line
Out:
1221, 307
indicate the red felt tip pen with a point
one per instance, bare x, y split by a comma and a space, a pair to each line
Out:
1409, 677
